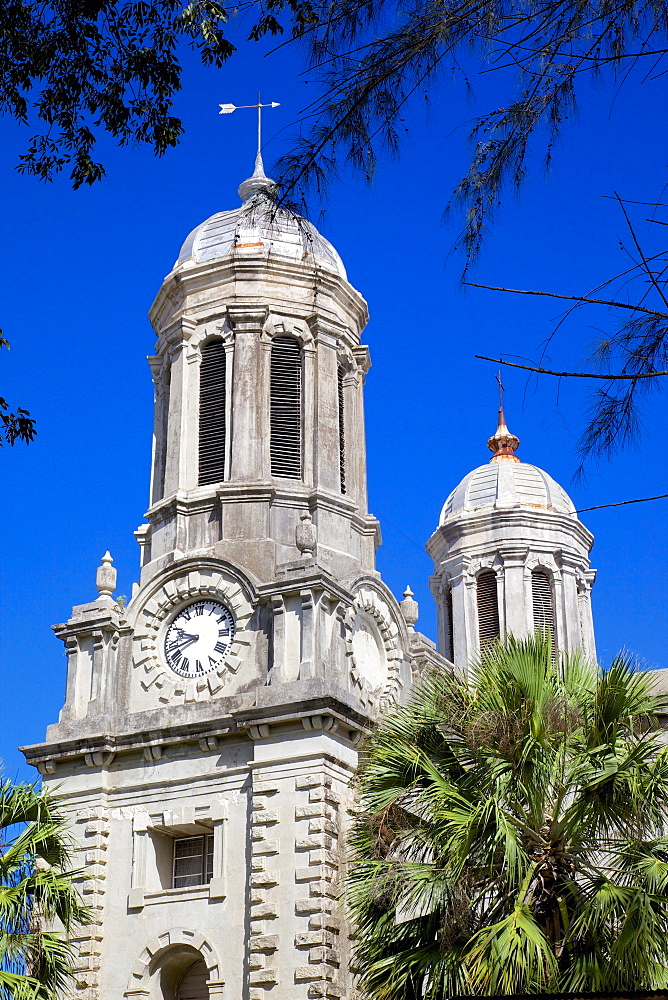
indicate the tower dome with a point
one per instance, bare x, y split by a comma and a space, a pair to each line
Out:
259, 223
506, 484
510, 556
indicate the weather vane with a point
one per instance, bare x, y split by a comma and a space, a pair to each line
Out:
227, 109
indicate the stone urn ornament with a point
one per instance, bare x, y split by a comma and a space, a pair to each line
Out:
306, 536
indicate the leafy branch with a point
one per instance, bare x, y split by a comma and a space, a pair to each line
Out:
18, 426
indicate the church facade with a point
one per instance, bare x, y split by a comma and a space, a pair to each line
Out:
210, 730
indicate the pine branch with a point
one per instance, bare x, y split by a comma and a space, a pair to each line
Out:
571, 298
547, 371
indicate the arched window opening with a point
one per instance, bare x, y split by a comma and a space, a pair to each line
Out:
193, 984
286, 408
212, 403
342, 430
449, 630
543, 605
488, 608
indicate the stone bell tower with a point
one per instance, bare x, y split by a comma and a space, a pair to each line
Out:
208, 737
511, 556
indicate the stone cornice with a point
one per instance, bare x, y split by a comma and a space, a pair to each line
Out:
102, 748
260, 269
471, 522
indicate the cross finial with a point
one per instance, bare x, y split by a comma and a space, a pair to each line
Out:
501, 388
503, 444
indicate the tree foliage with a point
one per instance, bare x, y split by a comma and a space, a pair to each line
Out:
511, 836
39, 904
18, 426
373, 57
74, 68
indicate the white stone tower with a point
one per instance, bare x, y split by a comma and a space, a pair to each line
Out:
510, 556
206, 744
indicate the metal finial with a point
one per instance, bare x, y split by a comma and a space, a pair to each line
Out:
258, 182
503, 443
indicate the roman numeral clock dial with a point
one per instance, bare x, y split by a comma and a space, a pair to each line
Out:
198, 638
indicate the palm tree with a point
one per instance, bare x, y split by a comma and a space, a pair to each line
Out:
39, 905
510, 836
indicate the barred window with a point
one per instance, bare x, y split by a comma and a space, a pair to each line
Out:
488, 608
286, 408
193, 861
543, 605
212, 403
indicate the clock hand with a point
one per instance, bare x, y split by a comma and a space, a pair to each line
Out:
183, 641
186, 635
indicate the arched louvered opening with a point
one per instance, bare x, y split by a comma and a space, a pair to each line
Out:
286, 408
194, 982
212, 403
449, 631
543, 605
342, 430
488, 608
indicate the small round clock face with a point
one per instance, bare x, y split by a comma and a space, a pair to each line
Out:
199, 638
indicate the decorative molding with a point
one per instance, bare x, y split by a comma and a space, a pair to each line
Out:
139, 983
369, 603
264, 887
152, 618
317, 836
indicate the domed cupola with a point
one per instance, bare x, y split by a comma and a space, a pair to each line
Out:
510, 556
261, 225
259, 373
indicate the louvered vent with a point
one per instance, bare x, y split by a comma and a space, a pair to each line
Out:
212, 414
342, 431
449, 631
543, 605
286, 408
488, 608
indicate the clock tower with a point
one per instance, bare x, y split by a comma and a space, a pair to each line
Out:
210, 728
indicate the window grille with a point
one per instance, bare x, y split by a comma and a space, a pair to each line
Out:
488, 608
449, 631
286, 408
193, 861
342, 430
212, 401
543, 605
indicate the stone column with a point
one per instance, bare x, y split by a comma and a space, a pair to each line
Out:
515, 593
571, 630
248, 406
178, 403
361, 355
327, 414
160, 374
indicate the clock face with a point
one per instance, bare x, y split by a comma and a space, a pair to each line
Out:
369, 652
198, 638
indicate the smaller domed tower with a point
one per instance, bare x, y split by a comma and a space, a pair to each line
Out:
510, 557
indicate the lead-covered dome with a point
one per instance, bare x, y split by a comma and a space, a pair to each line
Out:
506, 482
260, 222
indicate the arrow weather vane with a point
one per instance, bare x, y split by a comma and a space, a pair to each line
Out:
227, 109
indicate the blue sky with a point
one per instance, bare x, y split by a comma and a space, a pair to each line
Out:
80, 270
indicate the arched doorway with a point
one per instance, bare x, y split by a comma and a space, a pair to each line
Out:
193, 982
